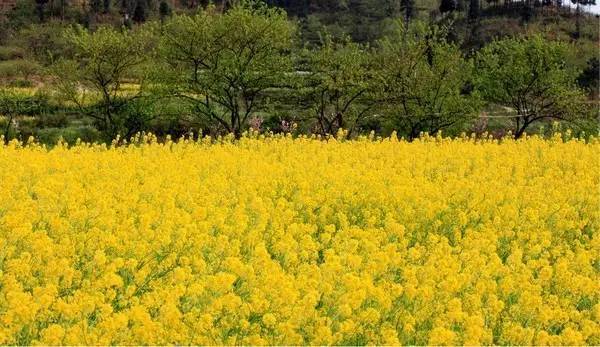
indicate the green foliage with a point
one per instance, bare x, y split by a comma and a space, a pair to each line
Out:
224, 64
531, 76
18, 69
70, 135
338, 86
101, 61
20, 83
225, 69
96, 6
11, 53
140, 11
362, 20
51, 120
589, 79
44, 42
164, 10
424, 82
23, 13
14, 104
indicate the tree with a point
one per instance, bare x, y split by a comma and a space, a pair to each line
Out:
40, 6
62, 6
448, 6
423, 81
224, 64
139, 12
100, 62
338, 88
14, 104
128, 7
529, 75
95, 6
474, 9
106, 6
527, 11
578, 14
495, 3
589, 79
164, 10
44, 42
408, 6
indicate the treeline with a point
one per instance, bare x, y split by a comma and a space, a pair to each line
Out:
219, 72
362, 20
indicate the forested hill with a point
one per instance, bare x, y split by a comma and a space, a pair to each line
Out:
98, 69
475, 21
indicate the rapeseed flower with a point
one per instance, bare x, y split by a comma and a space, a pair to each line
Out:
280, 240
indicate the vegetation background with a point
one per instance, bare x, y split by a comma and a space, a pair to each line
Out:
94, 70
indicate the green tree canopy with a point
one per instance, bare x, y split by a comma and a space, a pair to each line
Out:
423, 81
224, 64
94, 73
338, 86
531, 76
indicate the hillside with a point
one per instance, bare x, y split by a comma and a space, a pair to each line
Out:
32, 42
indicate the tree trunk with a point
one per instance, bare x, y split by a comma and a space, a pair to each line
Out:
520, 131
577, 22
7, 130
520, 128
40, 11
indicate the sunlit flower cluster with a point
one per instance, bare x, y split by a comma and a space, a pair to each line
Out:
280, 240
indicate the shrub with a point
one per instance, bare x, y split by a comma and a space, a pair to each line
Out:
44, 42
18, 69
52, 120
11, 53
21, 83
50, 136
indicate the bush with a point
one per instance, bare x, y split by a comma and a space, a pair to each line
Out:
50, 136
23, 14
11, 53
589, 78
19, 69
52, 120
26, 105
44, 42
21, 83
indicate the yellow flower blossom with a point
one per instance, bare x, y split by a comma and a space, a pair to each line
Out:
275, 240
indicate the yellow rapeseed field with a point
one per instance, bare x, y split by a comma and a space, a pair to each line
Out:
300, 241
